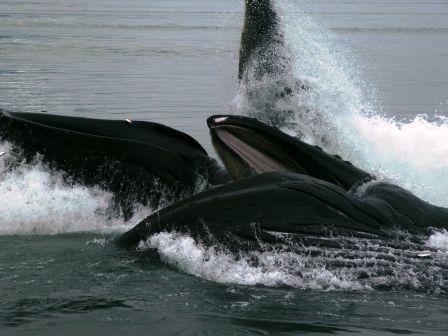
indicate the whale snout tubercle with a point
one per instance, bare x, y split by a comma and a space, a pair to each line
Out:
216, 120
220, 120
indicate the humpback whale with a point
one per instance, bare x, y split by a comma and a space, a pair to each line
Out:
260, 208
282, 185
265, 69
287, 186
261, 41
124, 157
247, 147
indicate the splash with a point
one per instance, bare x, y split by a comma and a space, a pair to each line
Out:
439, 241
364, 265
37, 200
331, 106
272, 269
413, 154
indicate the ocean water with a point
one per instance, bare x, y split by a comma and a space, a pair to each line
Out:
379, 72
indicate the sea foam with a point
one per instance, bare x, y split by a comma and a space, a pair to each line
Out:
38, 200
368, 266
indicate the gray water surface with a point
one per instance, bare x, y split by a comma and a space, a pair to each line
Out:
71, 285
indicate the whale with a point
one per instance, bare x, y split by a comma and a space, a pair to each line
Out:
272, 184
258, 209
248, 147
261, 39
128, 158
267, 82
285, 186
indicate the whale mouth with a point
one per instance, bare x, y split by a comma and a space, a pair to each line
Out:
246, 152
249, 147
258, 161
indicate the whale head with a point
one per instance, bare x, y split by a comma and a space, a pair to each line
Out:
249, 147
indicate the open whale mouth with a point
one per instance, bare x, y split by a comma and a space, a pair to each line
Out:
249, 147
256, 159
246, 152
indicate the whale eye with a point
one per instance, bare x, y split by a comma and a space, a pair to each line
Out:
220, 119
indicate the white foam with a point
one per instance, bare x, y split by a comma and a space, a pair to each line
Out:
438, 240
420, 144
36, 200
414, 154
369, 265
272, 269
